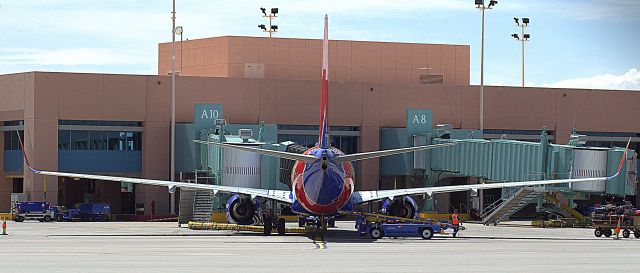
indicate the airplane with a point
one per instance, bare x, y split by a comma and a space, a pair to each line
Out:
322, 178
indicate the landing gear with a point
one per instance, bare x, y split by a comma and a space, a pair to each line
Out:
281, 226
332, 222
267, 219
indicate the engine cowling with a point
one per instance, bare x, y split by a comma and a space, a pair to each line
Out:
404, 207
241, 210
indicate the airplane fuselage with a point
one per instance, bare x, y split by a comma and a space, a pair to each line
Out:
322, 187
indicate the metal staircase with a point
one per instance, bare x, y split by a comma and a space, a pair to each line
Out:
186, 206
203, 206
505, 207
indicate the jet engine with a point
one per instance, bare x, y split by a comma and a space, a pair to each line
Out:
404, 207
241, 210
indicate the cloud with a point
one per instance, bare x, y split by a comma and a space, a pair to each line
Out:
69, 56
627, 81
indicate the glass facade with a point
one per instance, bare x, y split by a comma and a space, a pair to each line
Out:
100, 123
11, 140
99, 140
347, 144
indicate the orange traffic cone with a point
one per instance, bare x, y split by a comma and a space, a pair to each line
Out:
4, 227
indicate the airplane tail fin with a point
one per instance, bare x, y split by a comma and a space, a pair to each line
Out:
323, 135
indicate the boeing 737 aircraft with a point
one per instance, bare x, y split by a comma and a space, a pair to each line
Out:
322, 177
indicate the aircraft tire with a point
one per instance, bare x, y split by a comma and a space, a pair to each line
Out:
281, 226
268, 224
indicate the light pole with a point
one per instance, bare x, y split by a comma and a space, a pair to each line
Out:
179, 32
173, 105
481, 6
272, 28
525, 37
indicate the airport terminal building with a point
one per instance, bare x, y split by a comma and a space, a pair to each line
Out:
120, 124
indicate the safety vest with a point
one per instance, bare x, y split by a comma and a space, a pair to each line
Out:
454, 219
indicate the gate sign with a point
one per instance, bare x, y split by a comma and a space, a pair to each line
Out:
205, 115
419, 121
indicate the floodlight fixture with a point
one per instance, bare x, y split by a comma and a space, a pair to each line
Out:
271, 27
524, 37
525, 21
515, 36
517, 20
527, 36
492, 3
479, 3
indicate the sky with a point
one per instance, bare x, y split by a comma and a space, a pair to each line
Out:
579, 44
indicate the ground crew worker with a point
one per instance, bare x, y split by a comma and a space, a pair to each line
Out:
455, 222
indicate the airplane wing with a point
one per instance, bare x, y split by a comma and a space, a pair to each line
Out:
374, 154
283, 196
279, 154
366, 196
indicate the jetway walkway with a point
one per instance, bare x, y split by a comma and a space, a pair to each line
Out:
499, 160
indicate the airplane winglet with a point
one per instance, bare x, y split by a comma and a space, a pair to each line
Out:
624, 157
24, 154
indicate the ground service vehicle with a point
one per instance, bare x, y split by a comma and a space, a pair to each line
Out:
33, 211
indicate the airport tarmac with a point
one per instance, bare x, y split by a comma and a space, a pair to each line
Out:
163, 247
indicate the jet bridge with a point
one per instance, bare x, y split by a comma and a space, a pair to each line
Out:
496, 161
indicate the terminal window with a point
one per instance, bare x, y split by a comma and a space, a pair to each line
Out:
99, 140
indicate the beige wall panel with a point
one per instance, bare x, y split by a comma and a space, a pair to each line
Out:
306, 109
281, 72
251, 41
158, 98
156, 147
404, 75
240, 106
297, 56
5, 92
470, 107
188, 92
297, 72
268, 102
389, 75
313, 72
282, 55
313, 57
389, 55
519, 108
266, 55
237, 70
125, 97
200, 56
374, 57
208, 55
19, 83
235, 40
358, 54
313, 43
235, 54
80, 96
340, 73
45, 101
449, 77
370, 104
281, 42
449, 61
434, 60
374, 74
444, 101
147, 194
370, 169
418, 60
358, 74
266, 42
621, 108
297, 43
345, 103
343, 45
395, 99
343, 58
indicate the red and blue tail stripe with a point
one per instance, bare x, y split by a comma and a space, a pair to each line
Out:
323, 137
